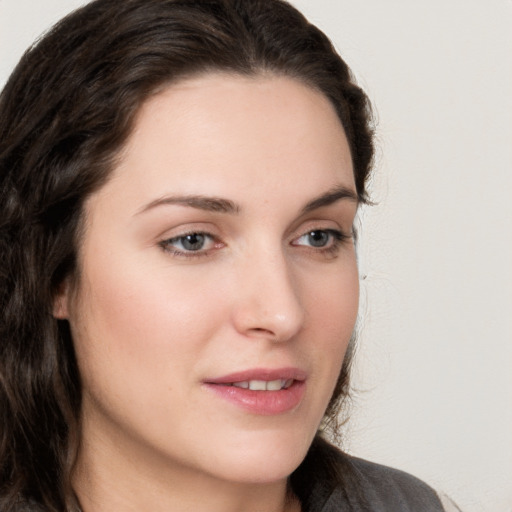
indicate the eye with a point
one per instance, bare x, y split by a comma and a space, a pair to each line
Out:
320, 238
189, 243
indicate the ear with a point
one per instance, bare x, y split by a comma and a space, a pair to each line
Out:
61, 300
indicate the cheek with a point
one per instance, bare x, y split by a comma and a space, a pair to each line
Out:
135, 325
334, 314
333, 301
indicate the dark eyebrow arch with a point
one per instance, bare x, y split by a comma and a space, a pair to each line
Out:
220, 205
330, 197
210, 204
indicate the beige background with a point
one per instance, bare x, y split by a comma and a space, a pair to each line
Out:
434, 368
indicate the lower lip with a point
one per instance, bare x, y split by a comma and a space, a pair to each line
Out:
262, 402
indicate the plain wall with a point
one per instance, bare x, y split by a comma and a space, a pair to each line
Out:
435, 358
434, 367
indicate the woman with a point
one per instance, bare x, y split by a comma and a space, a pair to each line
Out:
179, 181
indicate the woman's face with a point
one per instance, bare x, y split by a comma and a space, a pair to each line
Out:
218, 286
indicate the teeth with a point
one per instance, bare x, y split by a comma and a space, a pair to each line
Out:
257, 385
274, 385
263, 385
244, 384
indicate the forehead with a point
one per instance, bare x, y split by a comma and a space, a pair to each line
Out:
214, 132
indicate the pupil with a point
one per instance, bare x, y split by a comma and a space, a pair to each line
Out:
318, 238
193, 242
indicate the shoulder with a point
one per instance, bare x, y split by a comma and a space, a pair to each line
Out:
333, 481
394, 489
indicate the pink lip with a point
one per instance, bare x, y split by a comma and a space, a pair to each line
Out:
260, 374
261, 402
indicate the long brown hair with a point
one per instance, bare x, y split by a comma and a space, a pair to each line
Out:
65, 113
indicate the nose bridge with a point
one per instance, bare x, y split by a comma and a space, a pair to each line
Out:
269, 304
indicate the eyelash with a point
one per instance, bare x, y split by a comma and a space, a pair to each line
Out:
337, 238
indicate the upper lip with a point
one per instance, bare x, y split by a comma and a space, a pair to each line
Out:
265, 374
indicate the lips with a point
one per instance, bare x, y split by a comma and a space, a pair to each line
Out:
261, 391
261, 374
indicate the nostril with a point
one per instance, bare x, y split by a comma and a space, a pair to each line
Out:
267, 333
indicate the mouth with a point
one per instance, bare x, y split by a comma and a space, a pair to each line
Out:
257, 377
261, 391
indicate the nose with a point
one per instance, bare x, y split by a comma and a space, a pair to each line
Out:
268, 303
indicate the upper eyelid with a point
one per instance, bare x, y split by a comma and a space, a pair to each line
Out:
188, 233
338, 235
188, 229
314, 219
318, 224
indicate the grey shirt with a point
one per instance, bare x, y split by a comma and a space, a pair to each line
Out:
387, 490
349, 484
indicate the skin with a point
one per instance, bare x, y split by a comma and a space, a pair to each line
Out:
151, 321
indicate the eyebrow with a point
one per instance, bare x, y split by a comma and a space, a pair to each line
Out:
207, 203
220, 205
330, 197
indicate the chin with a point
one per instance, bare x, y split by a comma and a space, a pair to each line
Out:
263, 458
